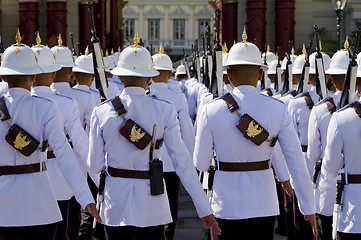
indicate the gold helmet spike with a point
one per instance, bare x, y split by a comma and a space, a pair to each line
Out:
304, 49
346, 44
112, 51
293, 50
268, 48
234, 42
136, 39
224, 48
38, 39
276, 55
161, 50
320, 43
18, 38
244, 35
156, 51
60, 40
182, 63
118, 48
106, 53
87, 50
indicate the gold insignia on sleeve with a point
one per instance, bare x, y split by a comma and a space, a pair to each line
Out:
253, 129
136, 134
21, 141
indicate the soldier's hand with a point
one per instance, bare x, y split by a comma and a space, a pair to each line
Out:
312, 219
210, 222
92, 209
286, 185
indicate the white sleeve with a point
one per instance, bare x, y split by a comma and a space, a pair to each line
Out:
333, 160
314, 138
186, 128
279, 164
183, 165
66, 159
296, 164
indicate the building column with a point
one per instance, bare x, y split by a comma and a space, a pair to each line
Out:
285, 23
229, 22
28, 20
256, 22
114, 25
166, 23
84, 25
99, 21
56, 21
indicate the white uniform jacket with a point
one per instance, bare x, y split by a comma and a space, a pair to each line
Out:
68, 113
325, 192
288, 96
84, 99
227, 88
116, 80
177, 99
92, 90
128, 201
241, 195
28, 199
3, 88
300, 113
343, 148
113, 88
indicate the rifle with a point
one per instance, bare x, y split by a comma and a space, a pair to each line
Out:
198, 63
349, 85
205, 64
305, 75
278, 81
209, 56
264, 75
101, 81
100, 195
194, 71
186, 64
320, 71
218, 58
287, 82
337, 207
72, 44
78, 47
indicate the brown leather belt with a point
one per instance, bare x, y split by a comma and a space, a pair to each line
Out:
244, 167
304, 148
351, 178
22, 169
126, 173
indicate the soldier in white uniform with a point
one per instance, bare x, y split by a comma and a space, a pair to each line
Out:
120, 129
27, 203
343, 150
69, 118
113, 88
244, 194
86, 104
325, 189
181, 76
159, 89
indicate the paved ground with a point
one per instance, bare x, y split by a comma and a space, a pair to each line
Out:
189, 226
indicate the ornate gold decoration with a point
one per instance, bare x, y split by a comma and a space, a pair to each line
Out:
38, 51
21, 141
136, 134
346, 44
234, 43
38, 40
17, 51
60, 40
224, 48
136, 40
253, 129
87, 50
161, 50
320, 43
304, 49
106, 53
18, 41
244, 36
135, 52
268, 48
293, 50
182, 63
156, 51
118, 49
276, 56
112, 51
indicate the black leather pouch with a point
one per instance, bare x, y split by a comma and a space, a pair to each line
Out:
21, 140
252, 130
135, 134
156, 177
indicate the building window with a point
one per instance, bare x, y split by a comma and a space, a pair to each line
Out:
179, 29
203, 23
153, 29
129, 30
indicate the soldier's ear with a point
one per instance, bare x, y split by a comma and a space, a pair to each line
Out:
229, 73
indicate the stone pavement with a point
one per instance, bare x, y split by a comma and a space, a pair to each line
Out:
189, 226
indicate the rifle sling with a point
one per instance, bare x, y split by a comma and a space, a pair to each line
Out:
4, 113
330, 105
308, 100
357, 107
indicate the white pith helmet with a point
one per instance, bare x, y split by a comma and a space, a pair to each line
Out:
106, 64
284, 61
339, 63
45, 57
162, 61
135, 61
19, 59
84, 63
63, 55
272, 66
245, 53
270, 56
326, 62
224, 57
181, 70
297, 66
111, 62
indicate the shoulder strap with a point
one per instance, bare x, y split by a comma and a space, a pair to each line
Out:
269, 92
308, 100
118, 106
293, 93
331, 105
231, 103
4, 113
357, 107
